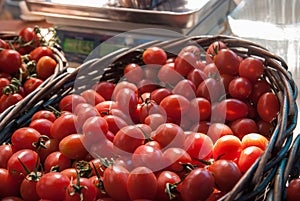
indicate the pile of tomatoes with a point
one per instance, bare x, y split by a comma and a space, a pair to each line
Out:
25, 63
179, 128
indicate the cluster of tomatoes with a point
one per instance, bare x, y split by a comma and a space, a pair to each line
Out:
25, 62
180, 128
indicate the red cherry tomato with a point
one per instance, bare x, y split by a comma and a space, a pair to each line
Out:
41, 51
248, 157
44, 114
227, 61
5, 153
69, 102
166, 178
31, 84
268, 106
133, 72
154, 55
232, 109
87, 190
240, 88
293, 190
251, 68
213, 49
185, 62
45, 67
243, 126
9, 185
24, 138
67, 144
10, 61
56, 161
227, 147
63, 126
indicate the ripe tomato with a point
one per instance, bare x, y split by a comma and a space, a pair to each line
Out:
148, 156
82, 190
211, 89
159, 94
67, 144
92, 97
4, 44
51, 145
240, 88
176, 106
155, 120
198, 146
255, 139
268, 106
9, 100
227, 61
69, 102
243, 126
3, 83
251, 68
198, 185
115, 123
63, 126
44, 114
141, 184
115, 182
126, 100
84, 113
227, 147
185, 88
133, 72
166, 178
154, 55
213, 49
52, 186
28, 187
174, 157
42, 126
45, 67
31, 84
39, 52
265, 128
168, 75
226, 174
169, 135
94, 130
259, 87
24, 138
28, 158
56, 161
9, 185
248, 157
232, 109
5, 153
200, 109
185, 62
196, 76
293, 190
10, 61
105, 89
128, 138
217, 130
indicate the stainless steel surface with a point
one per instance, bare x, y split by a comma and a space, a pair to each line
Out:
174, 13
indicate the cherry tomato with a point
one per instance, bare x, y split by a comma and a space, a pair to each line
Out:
28, 187
52, 186
50, 146
133, 72
105, 89
176, 106
155, 120
3, 83
292, 191
44, 114
260, 87
42, 126
240, 88
22, 157
185, 62
84, 113
211, 89
69, 102
243, 126
82, 190
213, 49
56, 161
5, 153
198, 185
227, 147
4, 44
141, 184
174, 157
265, 128
198, 146
268, 106
115, 123
115, 179
168, 75
39, 52
24, 138
92, 97
227, 61
248, 157
63, 126
251, 68
159, 94
10, 61
255, 139
126, 100
166, 178
128, 138
226, 174
185, 88
200, 109
196, 76
148, 156
31, 84
232, 109
9, 185
9, 100
217, 130
45, 67
67, 144
154, 55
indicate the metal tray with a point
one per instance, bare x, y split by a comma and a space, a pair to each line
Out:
174, 13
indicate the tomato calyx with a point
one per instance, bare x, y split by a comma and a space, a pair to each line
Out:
34, 175
41, 142
56, 112
77, 188
84, 169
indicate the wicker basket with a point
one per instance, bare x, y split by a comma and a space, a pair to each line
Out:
14, 112
256, 181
